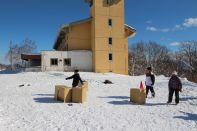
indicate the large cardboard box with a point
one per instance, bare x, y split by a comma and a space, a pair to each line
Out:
137, 96
85, 85
79, 95
63, 93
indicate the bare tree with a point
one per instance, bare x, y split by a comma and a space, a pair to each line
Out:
195, 50
12, 54
189, 51
137, 58
27, 46
162, 60
15, 51
157, 56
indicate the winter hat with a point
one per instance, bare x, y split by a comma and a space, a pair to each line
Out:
76, 71
149, 68
174, 73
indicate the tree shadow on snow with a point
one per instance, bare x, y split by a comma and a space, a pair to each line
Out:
187, 116
46, 100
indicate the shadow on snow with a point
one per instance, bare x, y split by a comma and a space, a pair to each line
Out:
115, 97
124, 100
187, 116
188, 98
46, 98
10, 71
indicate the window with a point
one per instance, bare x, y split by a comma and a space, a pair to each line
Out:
110, 40
109, 2
110, 22
67, 62
110, 56
54, 62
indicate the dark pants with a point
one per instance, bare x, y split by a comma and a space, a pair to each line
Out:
170, 96
151, 89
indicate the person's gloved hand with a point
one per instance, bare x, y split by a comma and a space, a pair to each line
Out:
180, 90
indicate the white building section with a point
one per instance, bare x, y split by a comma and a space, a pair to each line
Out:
66, 60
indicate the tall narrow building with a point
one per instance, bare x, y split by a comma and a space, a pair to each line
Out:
108, 39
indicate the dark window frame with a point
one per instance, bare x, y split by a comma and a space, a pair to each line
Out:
67, 62
109, 2
54, 61
110, 22
110, 57
110, 40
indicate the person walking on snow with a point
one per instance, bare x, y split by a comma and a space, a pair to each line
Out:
174, 85
150, 81
76, 79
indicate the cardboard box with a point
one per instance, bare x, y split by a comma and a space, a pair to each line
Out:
79, 95
137, 96
63, 93
85, 85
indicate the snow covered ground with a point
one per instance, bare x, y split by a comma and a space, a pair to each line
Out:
32, 107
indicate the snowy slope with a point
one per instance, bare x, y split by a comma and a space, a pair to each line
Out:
32, 107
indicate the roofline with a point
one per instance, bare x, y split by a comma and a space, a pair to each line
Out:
87, 20
132, 29
70, 24
31, 56
80, 21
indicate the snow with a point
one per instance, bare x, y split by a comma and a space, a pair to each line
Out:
32, 107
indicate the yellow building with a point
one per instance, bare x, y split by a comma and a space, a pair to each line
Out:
105, 34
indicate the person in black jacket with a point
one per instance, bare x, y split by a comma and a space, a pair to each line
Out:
174, 85
150, 81
76, 79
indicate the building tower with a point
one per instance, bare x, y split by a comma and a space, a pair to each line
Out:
109, 42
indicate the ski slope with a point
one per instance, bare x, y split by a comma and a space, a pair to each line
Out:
32, 108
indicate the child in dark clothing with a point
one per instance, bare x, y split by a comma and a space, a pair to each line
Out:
150, 81
76, 79
174, 85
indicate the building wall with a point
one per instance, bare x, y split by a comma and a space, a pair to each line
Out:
81, 60
79, 36
101, 31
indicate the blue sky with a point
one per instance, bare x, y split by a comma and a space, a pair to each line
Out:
164, 21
